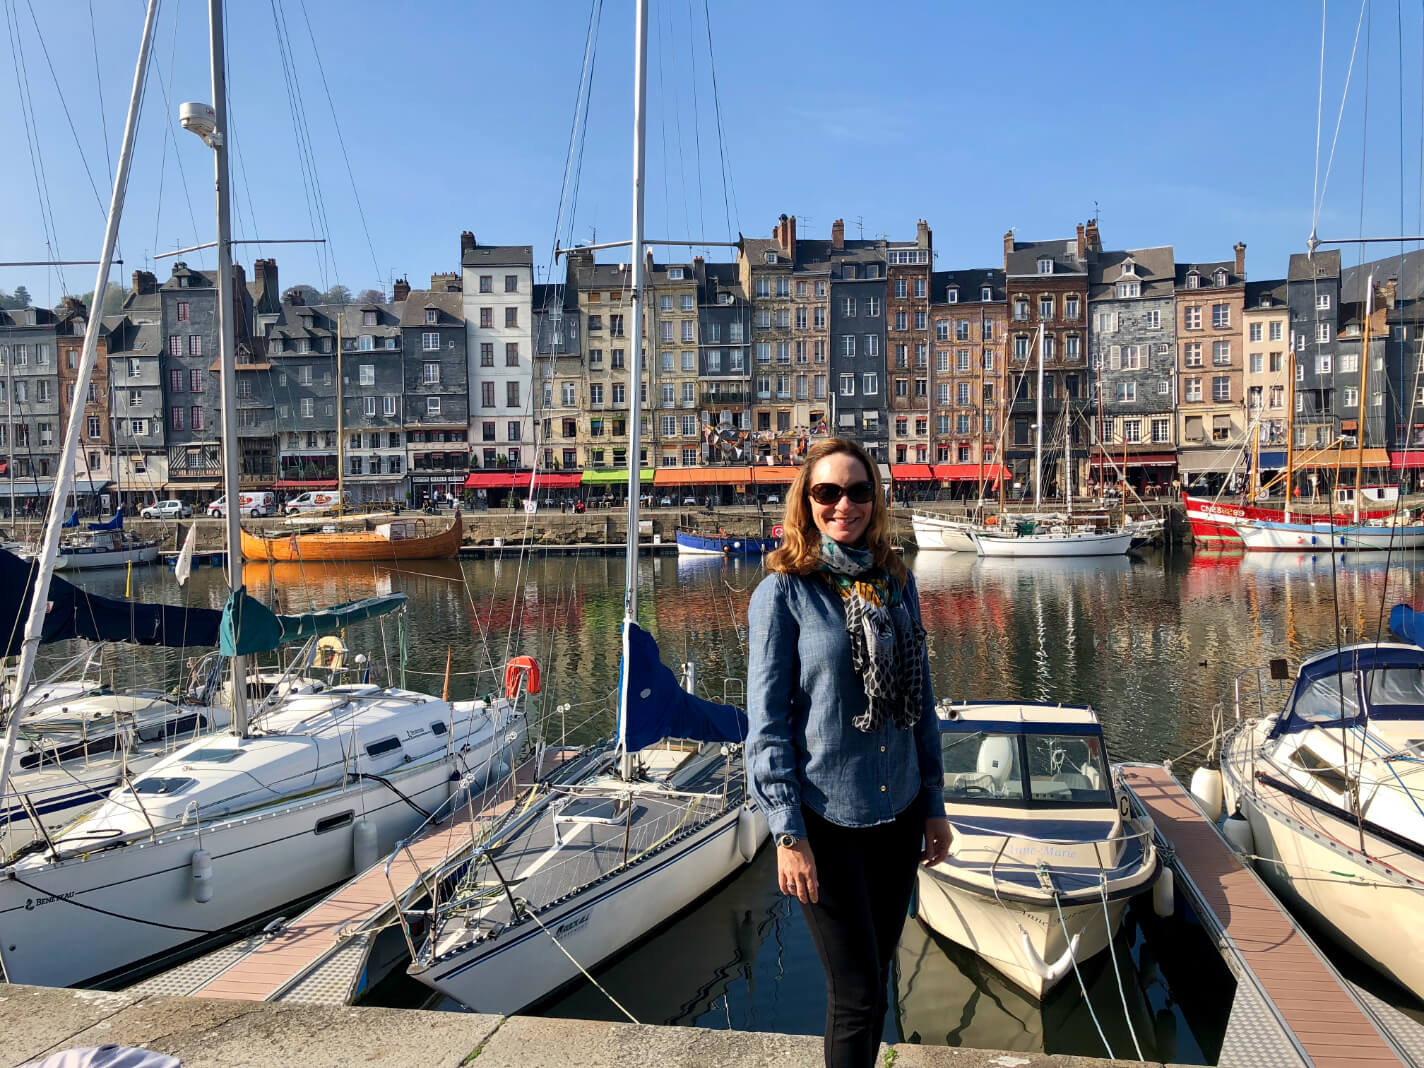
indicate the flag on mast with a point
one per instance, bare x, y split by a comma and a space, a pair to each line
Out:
184, 567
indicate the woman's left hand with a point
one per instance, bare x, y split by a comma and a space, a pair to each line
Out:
937, 839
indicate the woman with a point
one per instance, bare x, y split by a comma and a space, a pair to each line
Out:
843, 750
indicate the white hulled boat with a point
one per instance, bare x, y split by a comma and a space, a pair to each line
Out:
941, 532
1043, 861
661, 819
1331, 785
1054, 540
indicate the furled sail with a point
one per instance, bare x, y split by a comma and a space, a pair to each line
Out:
658, 707
249, 626
75, 613
115, 523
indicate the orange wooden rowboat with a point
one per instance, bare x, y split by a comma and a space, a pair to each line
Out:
396, 539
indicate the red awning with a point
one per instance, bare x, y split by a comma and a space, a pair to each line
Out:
562, 480
992, 472
495, 480
304, 483
774, 476
912, 473
1413, 458
1137, 459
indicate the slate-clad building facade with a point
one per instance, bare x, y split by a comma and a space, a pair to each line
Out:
437, 396
858, 343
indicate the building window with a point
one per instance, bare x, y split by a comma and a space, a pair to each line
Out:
430, 373
308, 407
368, 406
1221, 316
1221, 389
1322, 332
870, 384
487, 394
511, 354
1045, 265
511, 394
175, 418
430, 341
1322, 365
486, 283
1193, 389
1221, 353
1045, 307
511, 316
1126, 290
1192, 317
1192, 354
195, 417
1153, 320
388, 405
1322, 301
432, 406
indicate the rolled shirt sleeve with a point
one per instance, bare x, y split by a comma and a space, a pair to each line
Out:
927, 741
773, 681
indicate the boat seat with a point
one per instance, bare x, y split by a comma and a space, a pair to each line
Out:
965, 783
1073, 780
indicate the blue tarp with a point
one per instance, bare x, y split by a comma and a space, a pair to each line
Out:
249, 626
73, 520
116, 523
73, 613
658, 706
1407, 623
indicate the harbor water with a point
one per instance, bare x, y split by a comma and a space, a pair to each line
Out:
1152, 642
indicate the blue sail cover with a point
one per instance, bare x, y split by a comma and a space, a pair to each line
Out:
116, 523
73, 613
1407, 623
73, 520
249, 626
658, 706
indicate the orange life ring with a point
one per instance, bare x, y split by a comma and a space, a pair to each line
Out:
523, 669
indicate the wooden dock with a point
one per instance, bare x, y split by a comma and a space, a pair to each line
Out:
323, 956
1323, 1018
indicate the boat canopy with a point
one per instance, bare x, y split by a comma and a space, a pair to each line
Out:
658, 707
1356, 683
249, 626
76, 613
115, 523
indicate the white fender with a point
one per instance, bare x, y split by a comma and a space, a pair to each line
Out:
1206, 788
752, 830
200, 865
363, 845
1058, 969
1236, 829
1164, 893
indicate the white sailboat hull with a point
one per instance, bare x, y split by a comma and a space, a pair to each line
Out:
999, 932
140, 554
1032, 545
522, 965
945, 534
1264, 536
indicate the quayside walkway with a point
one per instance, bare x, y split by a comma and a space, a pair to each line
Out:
208, 1033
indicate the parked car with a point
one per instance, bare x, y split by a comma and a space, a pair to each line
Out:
315, 501
690, 502
773, 499
167, 510
251, 504
665, 502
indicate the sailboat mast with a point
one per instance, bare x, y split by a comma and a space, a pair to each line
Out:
64, 477
1290, 428
10, 433
226, 349
1067, 457
635, 367
1038, 430
340, 435
1364, 388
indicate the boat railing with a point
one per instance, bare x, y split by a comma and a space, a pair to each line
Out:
1257, 692
1145, 834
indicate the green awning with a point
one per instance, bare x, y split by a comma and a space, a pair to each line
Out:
249, 626
616, 477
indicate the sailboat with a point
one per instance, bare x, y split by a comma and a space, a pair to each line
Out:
1031, 536
662, 818
306, 789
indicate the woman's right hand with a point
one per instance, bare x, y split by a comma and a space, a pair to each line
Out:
796, 872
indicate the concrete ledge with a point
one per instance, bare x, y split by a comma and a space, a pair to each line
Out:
203, 1033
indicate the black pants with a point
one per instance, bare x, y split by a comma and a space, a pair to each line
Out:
866, 875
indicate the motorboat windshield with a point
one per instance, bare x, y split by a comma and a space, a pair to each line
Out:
987, 765
1345, 686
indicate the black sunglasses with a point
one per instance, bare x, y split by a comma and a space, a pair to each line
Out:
830, 492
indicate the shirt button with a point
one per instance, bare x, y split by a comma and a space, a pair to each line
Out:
882, 749
882, 789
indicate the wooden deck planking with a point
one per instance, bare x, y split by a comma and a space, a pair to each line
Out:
1326, 1020
276, 962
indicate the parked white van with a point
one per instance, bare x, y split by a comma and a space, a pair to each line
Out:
259, 503
316, 501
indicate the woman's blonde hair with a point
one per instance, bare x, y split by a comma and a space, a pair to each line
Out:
800, 550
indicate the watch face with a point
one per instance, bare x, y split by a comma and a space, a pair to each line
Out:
786, 840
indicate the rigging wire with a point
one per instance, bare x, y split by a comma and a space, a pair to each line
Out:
99, 84
727, 185
696, 121
164, 88
1344, 97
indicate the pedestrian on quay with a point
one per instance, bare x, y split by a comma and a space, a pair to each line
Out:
843, 748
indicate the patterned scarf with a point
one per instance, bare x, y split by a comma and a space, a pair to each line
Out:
886, 644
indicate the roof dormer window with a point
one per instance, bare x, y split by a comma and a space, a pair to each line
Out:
674, 274
1045, 265
431, 315
1193, 280
1220, 278
1129, 268
771, 257
986, 293
848, 270
952, 295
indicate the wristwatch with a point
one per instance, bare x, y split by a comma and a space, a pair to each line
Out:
787, 841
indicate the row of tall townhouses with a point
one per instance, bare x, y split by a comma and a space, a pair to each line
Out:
1151, 369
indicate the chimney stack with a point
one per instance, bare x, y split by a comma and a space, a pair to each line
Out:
467, 242
1008, 246
445, 282
1082, 243
401, 290
74, 306
838, 234
1095, 243
791, 239
144, 282
1240, 248
923, 236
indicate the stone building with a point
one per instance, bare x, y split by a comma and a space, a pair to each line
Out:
1265, 380
1132, 349
301, 349
591, 400
31, 393
498, 289
1211, 300
672, 317
969, 327
908, 343
437, 395
372, 375
136, 403
1047, 290
94, 461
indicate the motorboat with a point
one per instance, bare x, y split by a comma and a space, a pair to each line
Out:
1044, 858
1324, 792
691, 543
941, 532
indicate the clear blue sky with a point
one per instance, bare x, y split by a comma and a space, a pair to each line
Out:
1188, 124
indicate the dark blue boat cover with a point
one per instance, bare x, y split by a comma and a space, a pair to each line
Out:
658, 706
74, 613
116, 523
73, 520
1405, 622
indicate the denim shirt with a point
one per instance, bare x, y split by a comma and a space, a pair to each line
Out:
802, 694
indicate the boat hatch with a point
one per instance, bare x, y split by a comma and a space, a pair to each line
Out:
164, 786
212, 756
1316, 765
385, 745
1353, 684
983, 766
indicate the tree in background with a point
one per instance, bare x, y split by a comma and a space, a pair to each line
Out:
337, 294
18, 299
305, 293
370, 296
113, 299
